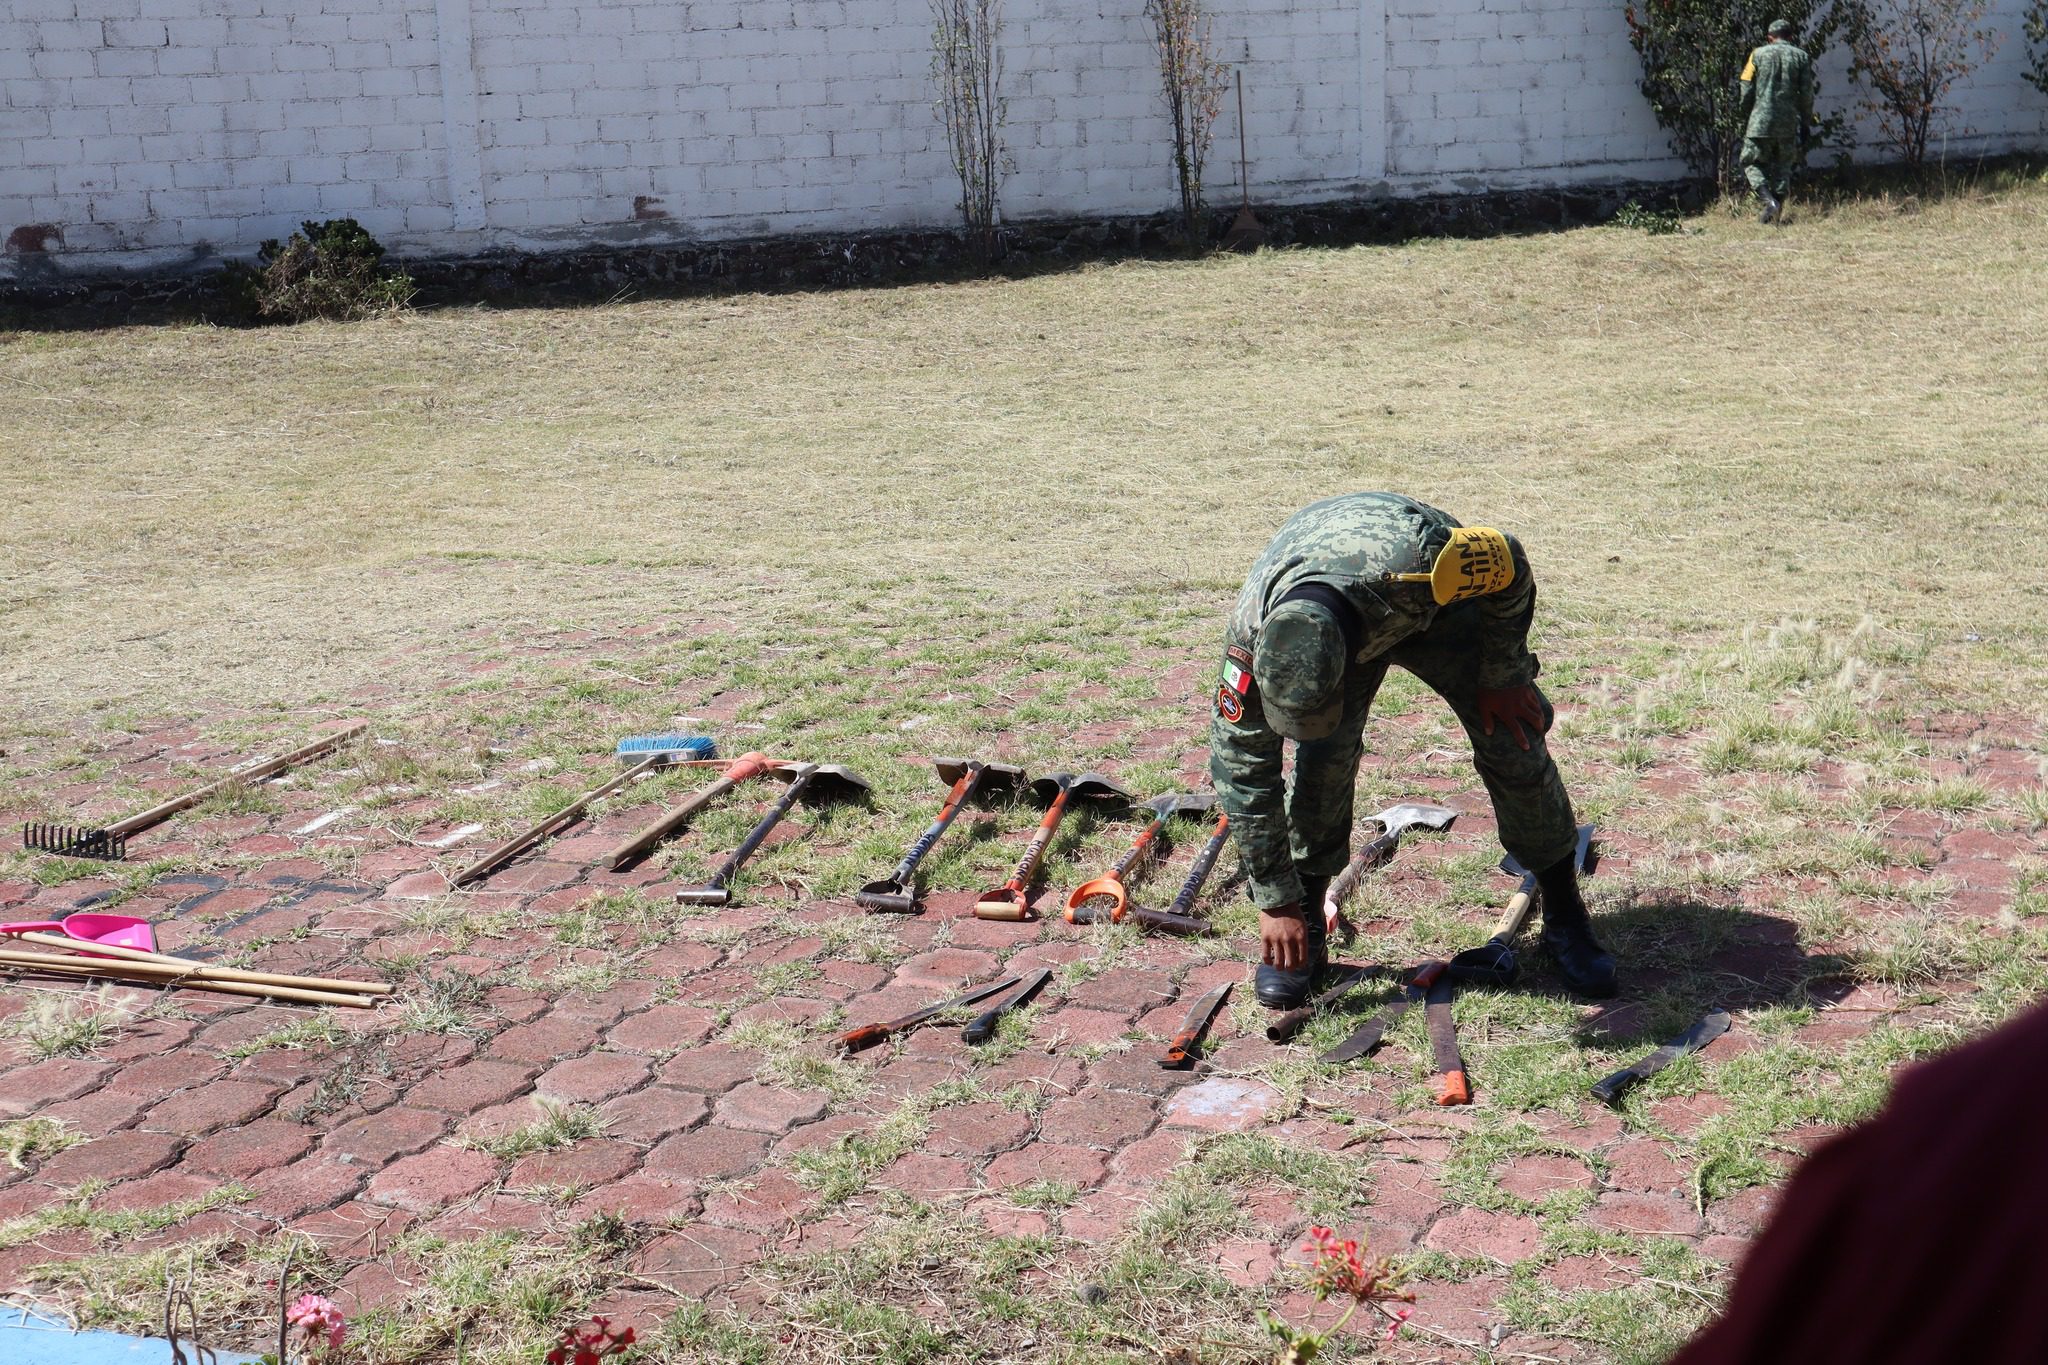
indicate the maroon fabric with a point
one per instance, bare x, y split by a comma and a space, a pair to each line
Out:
1920, 1235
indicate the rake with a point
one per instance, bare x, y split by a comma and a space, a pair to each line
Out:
111, 841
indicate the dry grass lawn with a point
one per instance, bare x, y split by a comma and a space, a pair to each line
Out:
1694, 433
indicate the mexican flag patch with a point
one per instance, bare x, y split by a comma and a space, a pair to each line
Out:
1237, 678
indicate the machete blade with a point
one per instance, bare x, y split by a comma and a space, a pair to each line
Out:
1612, 1088
1186, 1048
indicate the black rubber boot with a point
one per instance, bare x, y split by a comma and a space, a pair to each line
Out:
1770, 209
1278, 990
1568, 933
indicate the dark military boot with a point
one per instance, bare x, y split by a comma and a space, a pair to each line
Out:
1770, 208
1278, 990
1568, 933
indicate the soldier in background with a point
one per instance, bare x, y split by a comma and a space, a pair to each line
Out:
1777, 95
1348, 586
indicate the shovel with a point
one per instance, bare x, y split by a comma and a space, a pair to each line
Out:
1493, 963
1394, 821
1057, 791
1163, 808
119, 931
972, 780
819, 781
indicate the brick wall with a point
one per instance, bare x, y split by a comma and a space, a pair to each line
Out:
150, 132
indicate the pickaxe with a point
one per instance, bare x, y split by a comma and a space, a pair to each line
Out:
973, 780
1111, 887
1394, 821
1056, 791
819, 781
1493, 963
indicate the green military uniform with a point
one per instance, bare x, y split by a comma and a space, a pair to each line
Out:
1778, 90
1354, 544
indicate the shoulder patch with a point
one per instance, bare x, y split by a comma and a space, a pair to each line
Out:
1240, 654
1229, 705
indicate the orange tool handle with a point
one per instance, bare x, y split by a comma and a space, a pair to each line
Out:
1453, 1088
1027, 866
866, 1036
1177, 1050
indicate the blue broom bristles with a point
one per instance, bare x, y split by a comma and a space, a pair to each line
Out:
634, 748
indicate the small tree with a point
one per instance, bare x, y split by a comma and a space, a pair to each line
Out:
967, 64
1911, 53
2035, 22
1192, 79
1693, 52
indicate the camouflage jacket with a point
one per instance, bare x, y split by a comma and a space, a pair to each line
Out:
1351, 542
1778, 90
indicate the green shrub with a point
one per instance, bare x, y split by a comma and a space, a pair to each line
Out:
1656, 222
333, 269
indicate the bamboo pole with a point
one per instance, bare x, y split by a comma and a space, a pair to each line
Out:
153, 973
206, 971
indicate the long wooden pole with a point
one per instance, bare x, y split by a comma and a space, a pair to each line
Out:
255, 772
562, 818
206, 971
160, 974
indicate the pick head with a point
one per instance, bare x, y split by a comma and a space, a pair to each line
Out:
997, 779
1096, 787
705, 895
830, 782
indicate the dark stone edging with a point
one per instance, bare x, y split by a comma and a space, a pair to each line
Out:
838, 260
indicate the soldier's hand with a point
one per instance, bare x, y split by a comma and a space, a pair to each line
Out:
1514, 706
1283, 938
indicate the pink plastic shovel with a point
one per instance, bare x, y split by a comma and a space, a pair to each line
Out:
119, 931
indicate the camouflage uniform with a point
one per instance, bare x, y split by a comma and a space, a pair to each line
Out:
1353, 543
1778, 88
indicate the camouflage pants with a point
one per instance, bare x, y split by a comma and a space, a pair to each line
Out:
1768, 163
1529, 799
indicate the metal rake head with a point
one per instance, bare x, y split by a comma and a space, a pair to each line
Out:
73, 841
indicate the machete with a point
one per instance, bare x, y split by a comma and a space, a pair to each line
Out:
1186, 1048
867, 1035
1693, 1039
1451, 1085
1285, 1026
983, 1026
1374, 1029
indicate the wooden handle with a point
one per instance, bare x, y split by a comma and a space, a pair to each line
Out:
159, 974
254, 773
539, 830
1517, 911
639, 844
207, 970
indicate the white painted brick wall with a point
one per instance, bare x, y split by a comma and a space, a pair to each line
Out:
143, 131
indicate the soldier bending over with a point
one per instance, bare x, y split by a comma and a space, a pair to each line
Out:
1348, 586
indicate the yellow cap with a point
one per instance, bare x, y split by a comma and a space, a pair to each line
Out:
1474, 562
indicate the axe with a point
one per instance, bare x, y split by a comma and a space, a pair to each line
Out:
1493, 963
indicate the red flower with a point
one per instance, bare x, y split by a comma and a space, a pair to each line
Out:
589, 1345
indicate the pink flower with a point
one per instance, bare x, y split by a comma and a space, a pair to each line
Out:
313, 1317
